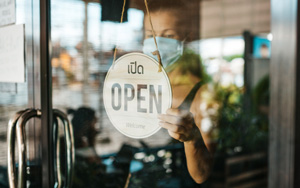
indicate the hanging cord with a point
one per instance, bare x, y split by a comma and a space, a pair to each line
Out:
156, 52
154, 37
115, 51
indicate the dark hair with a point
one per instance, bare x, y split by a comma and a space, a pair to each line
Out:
186, 11
82, 117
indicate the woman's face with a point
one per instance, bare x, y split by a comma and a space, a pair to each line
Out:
165, 24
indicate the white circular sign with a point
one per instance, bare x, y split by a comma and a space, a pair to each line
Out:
134, 93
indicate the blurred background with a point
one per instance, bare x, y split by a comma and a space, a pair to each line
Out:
233, 40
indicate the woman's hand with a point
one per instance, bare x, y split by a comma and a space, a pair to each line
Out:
180, 125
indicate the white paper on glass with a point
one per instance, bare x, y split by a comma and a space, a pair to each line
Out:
12, 54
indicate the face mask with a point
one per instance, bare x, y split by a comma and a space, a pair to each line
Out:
170, 49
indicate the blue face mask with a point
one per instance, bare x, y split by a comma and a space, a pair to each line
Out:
170, 49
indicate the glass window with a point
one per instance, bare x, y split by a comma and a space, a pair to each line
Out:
216, 130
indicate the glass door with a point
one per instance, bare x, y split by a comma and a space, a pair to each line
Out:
16, 98
85, 35
205, 139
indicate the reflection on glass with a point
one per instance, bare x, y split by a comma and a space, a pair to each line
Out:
209, 127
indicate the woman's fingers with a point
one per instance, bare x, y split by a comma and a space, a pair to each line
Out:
185, 135
179, 123
177, 136
177, 112
174, 112
172, 127
177, 117
177, 120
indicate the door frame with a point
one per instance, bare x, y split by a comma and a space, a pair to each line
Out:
284, 127
46, 94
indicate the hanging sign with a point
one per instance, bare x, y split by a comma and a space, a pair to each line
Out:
135, 93
7, 12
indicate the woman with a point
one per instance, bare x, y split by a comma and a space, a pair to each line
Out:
183, 120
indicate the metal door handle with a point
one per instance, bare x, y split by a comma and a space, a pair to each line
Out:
11, 134
21, 137
69, 140
56, 153
16, 127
